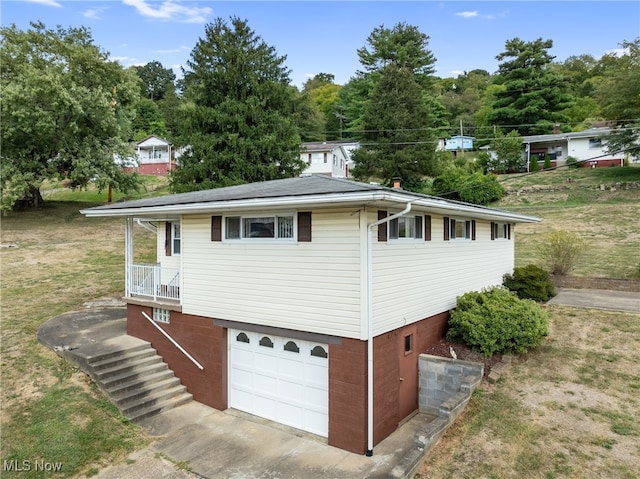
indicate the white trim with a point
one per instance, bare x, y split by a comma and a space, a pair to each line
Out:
260, 214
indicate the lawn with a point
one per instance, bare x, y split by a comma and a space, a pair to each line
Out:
567, 409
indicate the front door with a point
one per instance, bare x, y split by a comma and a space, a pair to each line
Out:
408, 369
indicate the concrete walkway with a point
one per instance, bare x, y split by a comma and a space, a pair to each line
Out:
598, 299
195, 440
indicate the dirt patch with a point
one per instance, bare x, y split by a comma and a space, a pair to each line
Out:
464, 352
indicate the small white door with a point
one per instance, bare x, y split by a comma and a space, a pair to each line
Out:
282, 379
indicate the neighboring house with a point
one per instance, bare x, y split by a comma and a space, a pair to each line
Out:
307, 300
154, 156
459, 142
330, 158
586, 146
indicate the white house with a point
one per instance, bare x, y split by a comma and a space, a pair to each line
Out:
154, 156
307, 300
586, 146
330, 158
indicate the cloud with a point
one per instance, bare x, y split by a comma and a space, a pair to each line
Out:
49, 3
93, 13
170, 10
467, 14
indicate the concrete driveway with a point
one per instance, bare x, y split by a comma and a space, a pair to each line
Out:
628, 302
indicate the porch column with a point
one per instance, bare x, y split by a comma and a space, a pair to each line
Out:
128, 254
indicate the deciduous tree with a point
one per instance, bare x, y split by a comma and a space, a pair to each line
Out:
66, 112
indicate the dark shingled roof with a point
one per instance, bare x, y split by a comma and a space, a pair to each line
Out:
300, 186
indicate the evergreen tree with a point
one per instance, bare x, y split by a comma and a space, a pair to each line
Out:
535, 95
156, 80
238, 114
397, 141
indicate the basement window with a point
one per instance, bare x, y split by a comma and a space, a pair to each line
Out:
161, 315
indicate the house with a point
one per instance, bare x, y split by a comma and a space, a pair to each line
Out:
154, 156
307, 300
586, 146
459, 142
330, 158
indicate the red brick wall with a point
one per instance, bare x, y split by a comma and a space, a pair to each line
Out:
348, 383
348, 395
205, 341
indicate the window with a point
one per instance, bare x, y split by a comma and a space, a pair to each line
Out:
319, 352
266, 342
291, 346
176, 238
155, 154
309, 159
406, 227
595, 143
460, 229
325, 157
271, 227
242, 338
500, 231
335, 160
172, 238
161, 315
408, 343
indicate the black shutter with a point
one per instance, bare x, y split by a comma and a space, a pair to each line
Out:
427, 227
446, 228
509, 231
473, 230
304, 226
216, 228
493, 230
382, 228
167, 239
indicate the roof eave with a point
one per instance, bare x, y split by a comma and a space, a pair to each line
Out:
325, 200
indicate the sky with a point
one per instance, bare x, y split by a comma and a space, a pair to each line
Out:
324, 36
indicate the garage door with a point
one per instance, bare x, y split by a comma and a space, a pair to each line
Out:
281, 379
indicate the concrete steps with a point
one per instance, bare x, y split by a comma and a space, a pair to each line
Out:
137, 381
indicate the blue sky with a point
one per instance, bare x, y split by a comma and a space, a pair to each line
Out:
323, 36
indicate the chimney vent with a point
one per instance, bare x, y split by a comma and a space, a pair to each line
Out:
556, 129
396, 183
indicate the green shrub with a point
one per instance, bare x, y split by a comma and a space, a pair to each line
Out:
533, 164
477, 188
572, 162
560, 251
530, 282
547, 162
497, 321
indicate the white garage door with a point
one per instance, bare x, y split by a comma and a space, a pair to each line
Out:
281, 379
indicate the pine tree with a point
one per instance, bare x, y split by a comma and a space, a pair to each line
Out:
239, 109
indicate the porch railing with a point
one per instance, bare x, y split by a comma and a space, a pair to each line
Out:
153, 281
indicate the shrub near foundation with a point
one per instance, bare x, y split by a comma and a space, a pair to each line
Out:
497, 321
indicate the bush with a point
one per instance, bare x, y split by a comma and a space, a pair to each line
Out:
560, 251
497, 321
456, 183
547, 162
533, 165
530, 282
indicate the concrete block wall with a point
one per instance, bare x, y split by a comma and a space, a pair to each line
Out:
441, 379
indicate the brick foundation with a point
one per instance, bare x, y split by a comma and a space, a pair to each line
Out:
205, 341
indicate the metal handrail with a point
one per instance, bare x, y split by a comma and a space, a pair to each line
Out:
174, 342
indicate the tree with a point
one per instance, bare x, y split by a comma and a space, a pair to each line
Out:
325, 95
508, 149
535, 95
148, 120
397, 141
65, 110
238, 112
156, 80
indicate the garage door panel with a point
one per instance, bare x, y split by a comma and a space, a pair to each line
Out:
284, 383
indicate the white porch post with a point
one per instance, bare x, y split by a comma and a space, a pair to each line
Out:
128, 254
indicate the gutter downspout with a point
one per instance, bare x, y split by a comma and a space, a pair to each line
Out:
147, 226
370, 227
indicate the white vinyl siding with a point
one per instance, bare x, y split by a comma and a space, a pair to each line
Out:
166, 261
312, 286
412, 281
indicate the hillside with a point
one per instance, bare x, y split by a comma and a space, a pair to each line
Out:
599, 204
